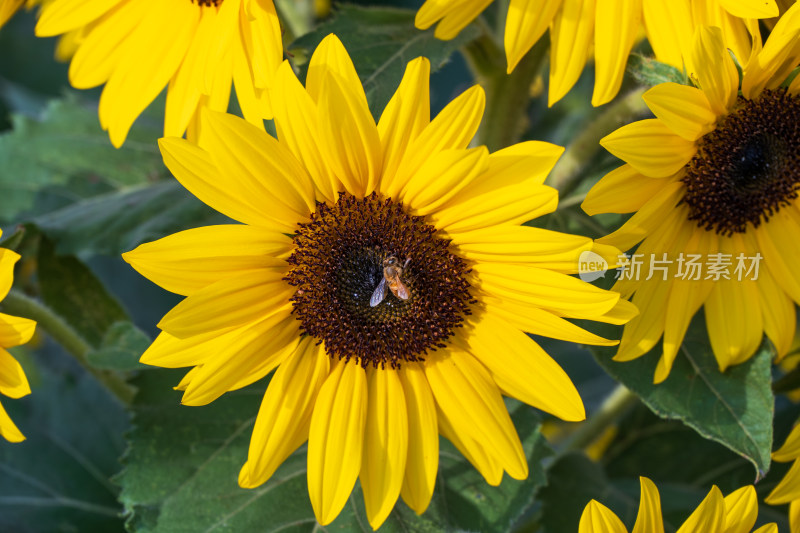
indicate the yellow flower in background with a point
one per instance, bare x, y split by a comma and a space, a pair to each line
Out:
13, 332
196, 48
788, 490
737, 512
8, 8
382, 269
713, 180
606, 29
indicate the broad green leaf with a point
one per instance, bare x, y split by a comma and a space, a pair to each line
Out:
74, 293
734, 408
58, 479
381, 41
67, 143
183, 463
122, 346
118, 221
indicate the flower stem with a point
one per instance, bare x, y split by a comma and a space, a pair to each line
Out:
507, 95
616, 404
17, 303
568, 171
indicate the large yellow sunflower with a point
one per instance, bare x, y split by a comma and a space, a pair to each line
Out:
384, 272
13, 332
736, 512
195, 47
609, 28
788, 490
714, 182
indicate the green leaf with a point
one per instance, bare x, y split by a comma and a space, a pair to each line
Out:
734, 408
118, 221
381, 41
649, 72
74, 293
58, 479
183, 463
65, 143
122, 346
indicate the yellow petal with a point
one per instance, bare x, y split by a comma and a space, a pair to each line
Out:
15, 330
8, 429
331, 56
778, 313
441, 177
100, 51
264, 41
405, 116
385, 444
297, 123
510, 191
768, 528
262, 342
544, 288
284, 417
526, 22
65, 15
713, 67
229, 302
669, 29
788, 490
457, 19
523, 244
570, 40
733, 315
736, 32
517, 362
336, 439
683, 109
541, 322
597, 518
772, 65
453, 128
464, 390
141, 75
348, 135
432, 11
741, 510
13, 382
623, 190
650, 147
648, 519
709, 515
760, 9
196, 171
617, 24
265, 170
171, 352
7, 260
790, 449
484, 462
189, 260
773, 237
423, 439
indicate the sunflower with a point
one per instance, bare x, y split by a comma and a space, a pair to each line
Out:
384, 272
713, 180
13, 332
788, 490
195, 47
611, 27
735, 512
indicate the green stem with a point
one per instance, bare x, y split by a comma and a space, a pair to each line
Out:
17, 303
507, 95
568, 171
614, 406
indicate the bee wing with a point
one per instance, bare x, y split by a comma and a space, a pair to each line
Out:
379, 294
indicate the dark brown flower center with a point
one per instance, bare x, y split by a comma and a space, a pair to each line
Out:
748, 168
338, 264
